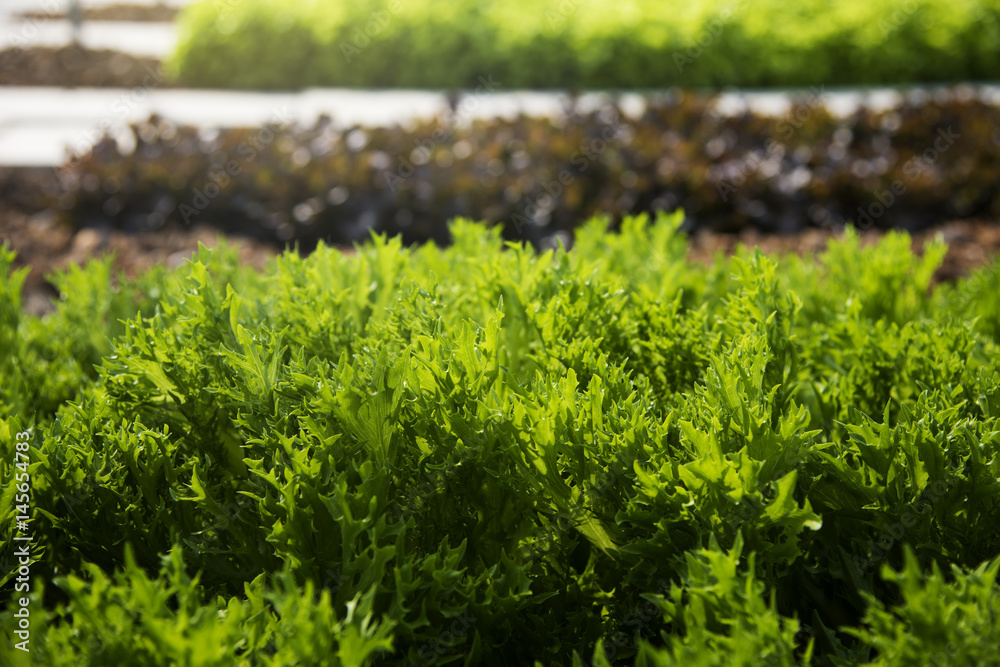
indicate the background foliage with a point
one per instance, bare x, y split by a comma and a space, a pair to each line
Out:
783, 174
572, 43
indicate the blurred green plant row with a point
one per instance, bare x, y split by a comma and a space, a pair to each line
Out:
585, 44
915, 164
481, 455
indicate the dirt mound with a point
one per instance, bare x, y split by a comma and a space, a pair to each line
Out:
143, 13
75, 67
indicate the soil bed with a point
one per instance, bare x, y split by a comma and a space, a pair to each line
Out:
47, 245
151, 13
75, 67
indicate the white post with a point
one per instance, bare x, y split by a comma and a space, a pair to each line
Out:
75, 20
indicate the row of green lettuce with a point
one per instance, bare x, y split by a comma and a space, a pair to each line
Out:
482, 455
572, 43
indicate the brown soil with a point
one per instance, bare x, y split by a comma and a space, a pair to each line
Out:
152, 13
46, 245
71, 66
971, 244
